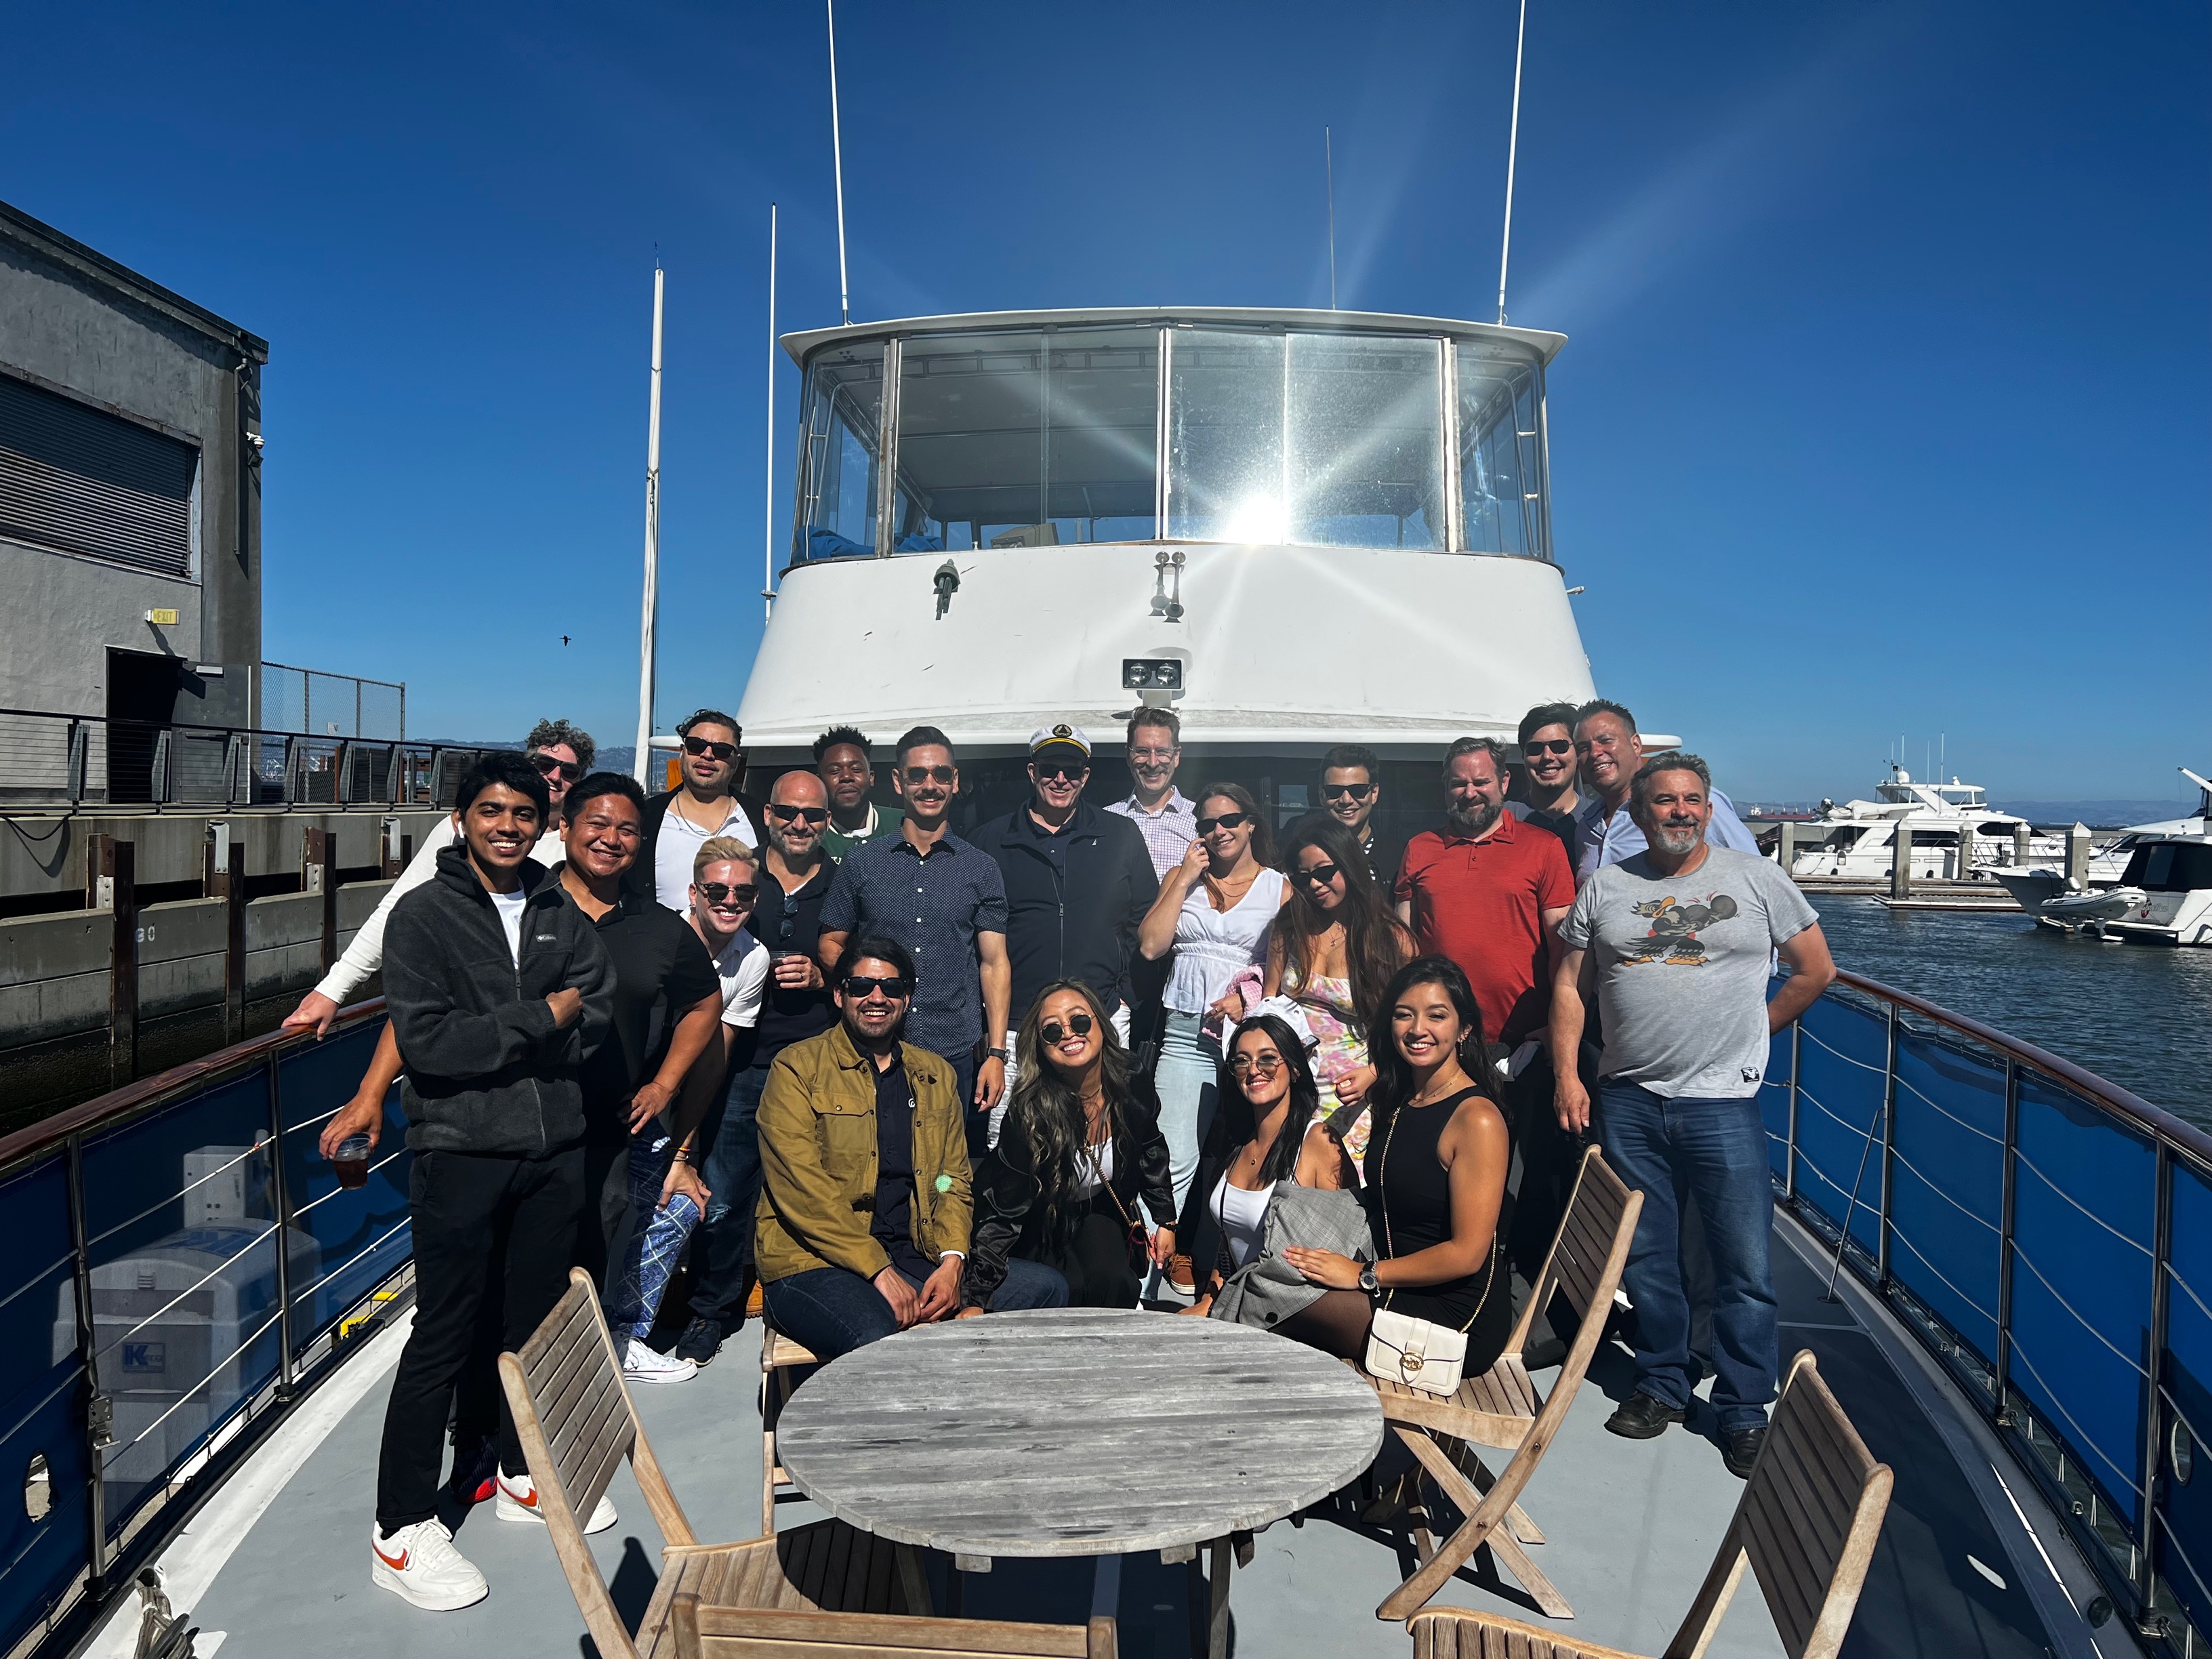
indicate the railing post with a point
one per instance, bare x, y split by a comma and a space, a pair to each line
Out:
79, 746
281, 1190
110, 884
233, 944
2004, 1238
319, 874
1888, 1149
1796, 1067
2154, 1378
99, 1411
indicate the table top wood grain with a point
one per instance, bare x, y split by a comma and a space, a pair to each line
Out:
1076, 1431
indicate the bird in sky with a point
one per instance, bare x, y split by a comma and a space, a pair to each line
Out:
564, 639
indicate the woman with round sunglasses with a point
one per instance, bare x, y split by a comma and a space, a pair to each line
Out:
1214, 913
1436, 1180
1079, 1163
1270, 1128
1333, 953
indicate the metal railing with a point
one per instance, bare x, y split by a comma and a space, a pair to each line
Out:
2048, 1235
181, 1251
331, 705
50, 760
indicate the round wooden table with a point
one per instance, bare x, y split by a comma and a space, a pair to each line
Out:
1079, 1431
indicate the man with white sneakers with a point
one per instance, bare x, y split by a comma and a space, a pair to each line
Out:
498, 987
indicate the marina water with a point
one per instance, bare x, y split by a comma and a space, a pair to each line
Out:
2135, 1015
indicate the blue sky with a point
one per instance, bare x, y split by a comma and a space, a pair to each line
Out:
1885, 412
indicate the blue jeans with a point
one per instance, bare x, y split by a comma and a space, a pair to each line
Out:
1186, 1078
832, 1311
1714, 1151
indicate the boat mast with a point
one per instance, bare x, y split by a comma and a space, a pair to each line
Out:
644, 761
1512, 153
1329, 176
837, 160
768, 478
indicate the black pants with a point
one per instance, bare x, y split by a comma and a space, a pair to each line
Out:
483, 1226
1550, 1158
1096, 1262
606, 1206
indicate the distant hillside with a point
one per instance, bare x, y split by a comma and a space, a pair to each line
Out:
2098, 814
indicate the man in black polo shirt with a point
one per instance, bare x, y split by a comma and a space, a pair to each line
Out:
1078, 881
661, 968
794, 879
1351, 786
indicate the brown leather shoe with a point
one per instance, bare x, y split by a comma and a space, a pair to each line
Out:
753, 1301
1180, 1276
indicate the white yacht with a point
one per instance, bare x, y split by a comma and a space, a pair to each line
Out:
1296, 528
2153, 885
1956, 835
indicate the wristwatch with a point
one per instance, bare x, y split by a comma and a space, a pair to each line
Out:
995, 1054
1368, 1282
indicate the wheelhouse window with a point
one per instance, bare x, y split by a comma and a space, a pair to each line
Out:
1026, 440
1501, 474
841, 427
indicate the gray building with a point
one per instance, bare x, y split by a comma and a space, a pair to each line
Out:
130, 492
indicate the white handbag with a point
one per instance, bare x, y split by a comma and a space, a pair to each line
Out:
1418, 1352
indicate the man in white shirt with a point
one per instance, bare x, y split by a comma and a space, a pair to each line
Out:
563, 753
708, 804
1165, 817
1609, 752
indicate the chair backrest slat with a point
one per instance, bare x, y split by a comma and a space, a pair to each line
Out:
734, 1632
1586, 1237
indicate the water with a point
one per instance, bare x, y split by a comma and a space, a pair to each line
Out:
2138, 1015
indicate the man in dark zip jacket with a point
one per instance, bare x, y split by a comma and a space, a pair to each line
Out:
497, 989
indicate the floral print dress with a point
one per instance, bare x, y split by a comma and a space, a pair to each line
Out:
1341, 1050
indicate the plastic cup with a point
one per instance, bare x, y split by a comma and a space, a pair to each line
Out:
351, 1159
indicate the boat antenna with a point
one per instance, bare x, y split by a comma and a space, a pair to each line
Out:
837, 160
768, 478
1512, 153
644, 759
1329, 177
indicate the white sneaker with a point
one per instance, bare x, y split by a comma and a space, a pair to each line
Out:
518, 1501
420, 1564
644, 1365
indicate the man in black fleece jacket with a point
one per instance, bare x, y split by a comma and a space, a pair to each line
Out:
497, 989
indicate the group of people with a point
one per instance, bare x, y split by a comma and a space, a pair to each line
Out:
1079, 1054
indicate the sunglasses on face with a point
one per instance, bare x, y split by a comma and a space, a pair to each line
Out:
1226, 821
720, 751
1266, 1064
1319, 875
721, 892
1356, 791
1536, 746
1059, 771
919, 775
547, 766
860, 985
792, 814
1054, 1031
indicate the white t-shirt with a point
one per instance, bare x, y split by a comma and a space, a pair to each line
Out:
743, 966
509, 906
1211, 946
677, 846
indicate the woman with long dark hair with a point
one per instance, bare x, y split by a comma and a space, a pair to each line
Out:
1333, 951
1269, 1128
1436, 1180
1078, 1153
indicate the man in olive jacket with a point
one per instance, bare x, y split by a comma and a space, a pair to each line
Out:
864, 1213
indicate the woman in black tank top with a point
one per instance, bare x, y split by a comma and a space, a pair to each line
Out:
1436, 1164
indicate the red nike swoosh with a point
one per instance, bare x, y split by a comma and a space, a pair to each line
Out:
400, 1566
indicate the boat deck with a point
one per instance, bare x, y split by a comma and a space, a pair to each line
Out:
276, 1565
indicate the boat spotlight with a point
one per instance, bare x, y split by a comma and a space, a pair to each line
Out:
1151, 674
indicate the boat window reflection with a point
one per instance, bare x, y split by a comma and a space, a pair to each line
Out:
837, 454
1365, 441
1026, 440
1500, 472
1225, 437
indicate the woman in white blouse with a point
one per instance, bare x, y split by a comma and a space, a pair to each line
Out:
1213, 912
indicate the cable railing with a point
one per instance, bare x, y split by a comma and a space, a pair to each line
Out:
2029, 1223
202, 1267
52, 760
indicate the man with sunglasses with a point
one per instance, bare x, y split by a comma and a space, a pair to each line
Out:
1079, 882
561, 754
840, 758
1547, 797
707, 804
864, 1225
1351, 786
1609, 751
786, 918
943, 902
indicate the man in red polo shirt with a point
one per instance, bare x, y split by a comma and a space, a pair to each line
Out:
1488, 890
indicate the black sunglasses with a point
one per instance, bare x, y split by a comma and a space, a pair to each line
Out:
1548, 746
917, 774
547, 766
720, 751
860, 985
1058, 769
1356, 791
1078, 1023
1226, 821
783, 814
1319, 875
723, 892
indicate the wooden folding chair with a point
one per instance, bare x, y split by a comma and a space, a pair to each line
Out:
1807, 1524
780, 1357
704, 1631
576, 1422
1501, 1407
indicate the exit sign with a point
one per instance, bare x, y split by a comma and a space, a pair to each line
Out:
163, 618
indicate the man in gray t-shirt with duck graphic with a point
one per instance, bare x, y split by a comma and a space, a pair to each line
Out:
1677, 943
